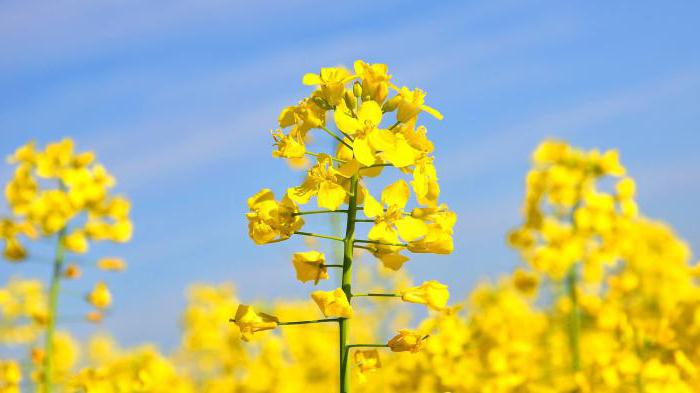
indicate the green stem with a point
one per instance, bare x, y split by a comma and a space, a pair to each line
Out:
394, 125
54, 290
339, 139
332, 265
300, 322
318, 212
365, 220
382, 243
344, 325
574, 320
336, 238
378, 294
377, 165
367, 346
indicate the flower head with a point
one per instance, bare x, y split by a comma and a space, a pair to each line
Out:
333, 303
310, 266
324, 181
431, 293
250, 321
407, 341
269, 220
366, 361
100, 296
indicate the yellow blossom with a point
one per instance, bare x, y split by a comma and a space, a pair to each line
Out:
366, 361
407, 341
331, 81
310, 266
322, 180
100, 296
431, 293
269, 220
250, 321
333, 303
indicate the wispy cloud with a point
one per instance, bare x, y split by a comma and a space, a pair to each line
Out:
501, 147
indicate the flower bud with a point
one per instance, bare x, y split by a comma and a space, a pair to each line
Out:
350, 100
357, 89
391, 104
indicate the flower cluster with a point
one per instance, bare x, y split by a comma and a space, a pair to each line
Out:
374, 130
56, 192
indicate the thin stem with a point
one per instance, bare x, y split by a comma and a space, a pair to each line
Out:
377, 294
365, 220
336, 238
394, 125
343, 324
54, 290
382, 243
377, 165
299, 322
365, 248
318, 212
332, 158
367, 346
333, 266
339, 139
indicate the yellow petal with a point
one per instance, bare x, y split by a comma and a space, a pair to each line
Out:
345, 122
371, 112
396, 194
432, 111
393, 261
311, 79
330, 195
371, 206
411, 228
363, 152
349, 168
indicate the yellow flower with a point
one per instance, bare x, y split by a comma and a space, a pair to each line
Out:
288, 146
10, 375
310, 266
407, 341
431, 293
72, 272
111, 264
366, 361
375, 80
100, 296
322, 180
410, 104
425, 182
525, 282
331, 81
76, 242
303, 116
269, 220
362, 129
250, 321
438, 239
333, 303
392, 222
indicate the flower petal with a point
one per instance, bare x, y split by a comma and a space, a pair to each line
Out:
411, 228
330, 195
396, 194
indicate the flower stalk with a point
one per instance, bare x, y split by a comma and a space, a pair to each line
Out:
346, 284
54, 290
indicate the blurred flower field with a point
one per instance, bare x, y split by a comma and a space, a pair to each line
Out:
605, 298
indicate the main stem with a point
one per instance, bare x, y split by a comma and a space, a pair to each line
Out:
574, 320
54, 290
344, 325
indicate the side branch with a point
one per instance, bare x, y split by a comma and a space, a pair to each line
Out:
299, 322
336, 238
318, 212
381, 243
339, 139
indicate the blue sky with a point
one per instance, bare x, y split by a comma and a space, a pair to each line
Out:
178, 98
